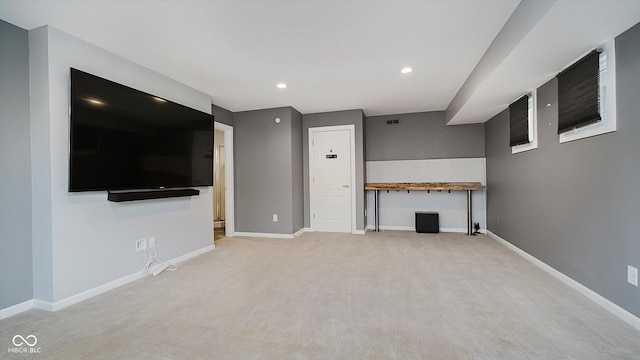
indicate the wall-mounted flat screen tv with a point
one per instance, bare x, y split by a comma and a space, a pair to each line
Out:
126, 139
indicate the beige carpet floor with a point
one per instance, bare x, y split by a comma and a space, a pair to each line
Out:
390, 295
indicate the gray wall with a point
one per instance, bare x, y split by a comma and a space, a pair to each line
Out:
16, 274
347, 117
421, 136
78, 236
266, 178
575, 206
297, 171
222, 115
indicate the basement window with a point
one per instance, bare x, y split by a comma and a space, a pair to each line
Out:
523, 124
587, 95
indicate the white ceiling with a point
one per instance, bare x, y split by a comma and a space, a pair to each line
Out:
337, 55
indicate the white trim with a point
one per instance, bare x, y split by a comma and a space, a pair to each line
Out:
74, 299
304, 230
16, 309
273, 235
397, 228
607, 124
43, 305
412, 228
616, 310
229, 195
187, 256
352, 138
453, 230
354, 204
265, 235
533, 127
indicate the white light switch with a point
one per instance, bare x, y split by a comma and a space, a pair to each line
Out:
632, 275
275, 217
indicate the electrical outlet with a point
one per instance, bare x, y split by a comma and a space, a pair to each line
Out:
632, 275
141, 244
152, 241
275, 217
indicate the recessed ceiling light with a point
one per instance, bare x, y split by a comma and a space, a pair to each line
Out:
406, 70
95, 101
281, 86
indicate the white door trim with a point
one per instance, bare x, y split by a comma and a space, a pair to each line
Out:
229, 203
352, 185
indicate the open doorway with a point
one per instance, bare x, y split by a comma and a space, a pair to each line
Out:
223, 181
218, 184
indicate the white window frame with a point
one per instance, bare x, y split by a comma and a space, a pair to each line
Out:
532, 116
607, 104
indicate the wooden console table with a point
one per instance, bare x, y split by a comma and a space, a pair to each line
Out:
437, 186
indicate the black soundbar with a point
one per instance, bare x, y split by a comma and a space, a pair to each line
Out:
150, 194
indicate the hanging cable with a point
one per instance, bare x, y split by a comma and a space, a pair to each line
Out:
154, 258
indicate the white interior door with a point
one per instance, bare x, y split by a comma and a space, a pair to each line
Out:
331, 180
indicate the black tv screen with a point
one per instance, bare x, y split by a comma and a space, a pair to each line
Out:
126, 139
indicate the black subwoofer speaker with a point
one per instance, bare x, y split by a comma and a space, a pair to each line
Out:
427, 222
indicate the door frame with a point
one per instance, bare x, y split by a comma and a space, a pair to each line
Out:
352, 184
229, 202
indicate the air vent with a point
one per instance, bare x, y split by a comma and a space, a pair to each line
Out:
393, 122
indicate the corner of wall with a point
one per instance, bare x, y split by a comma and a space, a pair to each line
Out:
41, 164
16, 226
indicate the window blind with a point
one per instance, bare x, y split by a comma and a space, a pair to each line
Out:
519, 121
579, 93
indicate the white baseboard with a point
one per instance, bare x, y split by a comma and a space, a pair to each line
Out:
264, 235
16, 309
397, 228
304, 230
412, 228
43, 305
616, 310
453, 230
74, 299
461, 230
187, 256
285, 236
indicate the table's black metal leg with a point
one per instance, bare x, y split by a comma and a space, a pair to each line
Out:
377, 206
469, 220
